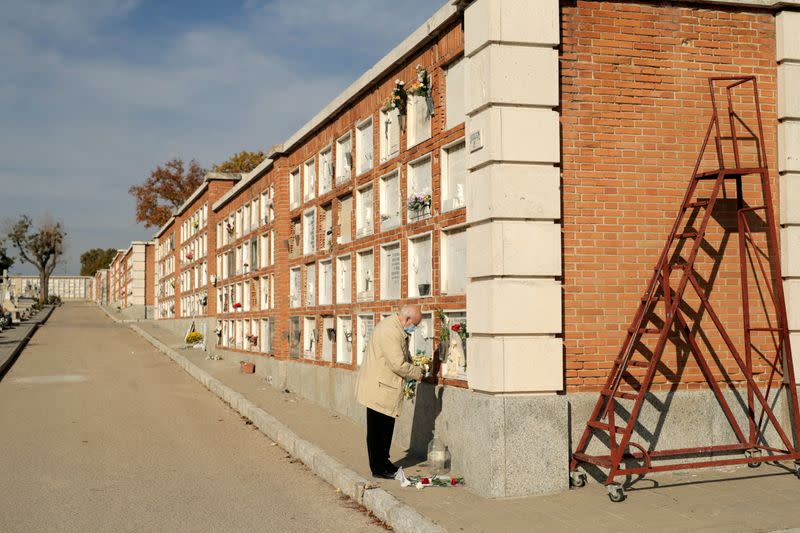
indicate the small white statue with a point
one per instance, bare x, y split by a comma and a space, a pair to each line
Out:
455, 361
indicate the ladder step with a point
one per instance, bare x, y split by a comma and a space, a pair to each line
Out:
679, 266
619, 394
599, 460
686, 235
699, 203
640, 364
730, 173
764, 329
708, 175
604, 427
645, 330
654, 298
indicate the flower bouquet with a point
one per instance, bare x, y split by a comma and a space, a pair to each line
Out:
229, 227
421, 482
410, 385
422, 88
398, 100
253, 339
237, 305
461, 329
422, 85
419, 202
189, 255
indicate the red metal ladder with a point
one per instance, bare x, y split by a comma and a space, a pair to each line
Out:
660, 316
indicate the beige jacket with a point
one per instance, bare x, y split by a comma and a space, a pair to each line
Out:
386, 364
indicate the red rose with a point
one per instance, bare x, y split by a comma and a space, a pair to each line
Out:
425, 481
456, 328
453, 481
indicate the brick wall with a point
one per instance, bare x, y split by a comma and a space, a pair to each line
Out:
149, 274
444, 49
635, 108
167, 306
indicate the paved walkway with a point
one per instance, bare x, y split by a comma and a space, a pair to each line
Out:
101, 432
736, 499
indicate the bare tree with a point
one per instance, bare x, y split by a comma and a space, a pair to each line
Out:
42, 246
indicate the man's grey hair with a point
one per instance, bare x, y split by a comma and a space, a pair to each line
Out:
410, 311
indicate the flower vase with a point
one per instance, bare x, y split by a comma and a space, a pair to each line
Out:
424, 289
438, 457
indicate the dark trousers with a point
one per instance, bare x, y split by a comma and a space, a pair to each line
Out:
380, 428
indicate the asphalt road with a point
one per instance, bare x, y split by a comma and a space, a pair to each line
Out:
100, 432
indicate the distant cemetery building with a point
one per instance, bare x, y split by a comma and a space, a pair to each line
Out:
132, 276
65, 287
101, 286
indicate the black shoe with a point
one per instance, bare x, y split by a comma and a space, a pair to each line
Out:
383, 475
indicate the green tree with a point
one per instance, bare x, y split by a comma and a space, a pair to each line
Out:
41, 245
243, 162
96, 259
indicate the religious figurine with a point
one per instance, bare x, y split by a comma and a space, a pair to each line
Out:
456, 361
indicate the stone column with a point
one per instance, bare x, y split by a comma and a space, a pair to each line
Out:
514, 295
788, 55
513, 196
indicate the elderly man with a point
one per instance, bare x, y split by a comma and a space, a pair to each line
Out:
379, 388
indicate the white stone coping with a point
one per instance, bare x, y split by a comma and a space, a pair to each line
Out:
244, 182
387, 63
165, 227
210, 176
136, 243
768, 4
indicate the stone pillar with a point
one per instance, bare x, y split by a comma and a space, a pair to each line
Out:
787, 31
513, 196
514, 295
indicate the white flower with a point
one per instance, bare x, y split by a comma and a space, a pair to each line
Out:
419, 485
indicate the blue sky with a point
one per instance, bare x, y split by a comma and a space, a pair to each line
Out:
96, 93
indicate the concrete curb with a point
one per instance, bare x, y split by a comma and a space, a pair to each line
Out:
400, 516
6, 366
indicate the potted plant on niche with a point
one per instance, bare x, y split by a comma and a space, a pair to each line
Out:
418, 204
248, 367
424, 289
422, 88
398, 100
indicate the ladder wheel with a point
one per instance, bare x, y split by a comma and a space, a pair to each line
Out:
615, 493
753, 453
577, 479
